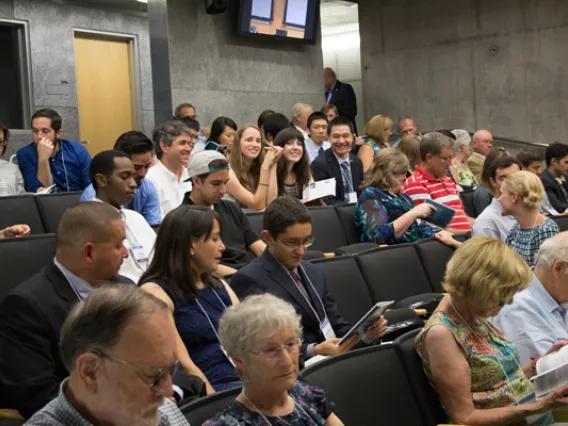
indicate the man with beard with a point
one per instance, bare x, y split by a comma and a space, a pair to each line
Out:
50, 160
139, 149
120, 348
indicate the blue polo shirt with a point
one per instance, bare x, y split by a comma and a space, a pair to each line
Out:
69, 168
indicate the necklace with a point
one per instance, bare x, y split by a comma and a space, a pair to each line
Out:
262, 415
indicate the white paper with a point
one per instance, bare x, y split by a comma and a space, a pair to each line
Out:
315, 359
552, 372
315, 190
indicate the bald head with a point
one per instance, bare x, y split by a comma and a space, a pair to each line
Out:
482, 142
329, 77
300, 115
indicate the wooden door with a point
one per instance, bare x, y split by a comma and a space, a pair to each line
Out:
104, 90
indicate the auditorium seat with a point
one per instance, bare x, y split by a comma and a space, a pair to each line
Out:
21, 209
327, 229
355, 248
346, 213
21, 258
434, 256
562, 222
255, 220
203, 409
468, 206
52, 207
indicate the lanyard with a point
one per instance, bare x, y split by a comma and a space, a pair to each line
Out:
306, 298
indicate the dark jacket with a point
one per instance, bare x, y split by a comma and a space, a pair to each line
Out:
343, 97
266, 275
326, 166
554, 191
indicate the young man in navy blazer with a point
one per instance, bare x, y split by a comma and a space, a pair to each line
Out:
281, 271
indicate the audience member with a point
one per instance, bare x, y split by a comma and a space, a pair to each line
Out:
281, 271
521, 196
483, 193
385, 216
139, 149
15, 231
194, 131
11, 180
474, 369
50, 160
341, 95
223, 131
255, 334
119, 347
491, 222
273, 124
405, 126
531, 160
188, 252
188, 110
300, 114
209, 172
410, 147
482, 142
378, 131
112, 174
252, 178
173, 142
293, 168
317, 130
554, 177
535, 320
430, 180
89, 251
261, 118
330, 112
339, 163
459, 169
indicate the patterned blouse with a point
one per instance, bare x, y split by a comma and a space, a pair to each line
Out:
465, 176
312, 408
375, 212
490, 357
526, 242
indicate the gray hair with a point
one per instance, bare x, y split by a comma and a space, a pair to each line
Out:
402, 119
552, 250
257, 317
433, 142
167, 132
462, 138
180, 107
300, 109
97, 323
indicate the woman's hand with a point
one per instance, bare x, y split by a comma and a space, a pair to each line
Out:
359, 140
378, 329
16, 231
273, 154
555, 400
423, 210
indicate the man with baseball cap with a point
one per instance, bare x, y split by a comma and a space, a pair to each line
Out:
209, 173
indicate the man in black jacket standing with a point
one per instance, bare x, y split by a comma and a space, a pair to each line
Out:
554, 177
341, 95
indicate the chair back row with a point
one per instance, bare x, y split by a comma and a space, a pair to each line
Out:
41, 212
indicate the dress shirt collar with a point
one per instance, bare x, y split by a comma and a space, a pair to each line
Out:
168, 174
548, 303
341, 160
81, 287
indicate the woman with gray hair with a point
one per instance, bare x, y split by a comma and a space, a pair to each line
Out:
262, 335
460, 171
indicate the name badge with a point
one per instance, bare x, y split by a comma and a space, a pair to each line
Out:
139, 254
352, 197
327, 329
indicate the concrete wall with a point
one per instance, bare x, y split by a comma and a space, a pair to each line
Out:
468, 64
222, 74
52, 55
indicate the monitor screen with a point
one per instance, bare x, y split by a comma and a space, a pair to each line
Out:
291, 19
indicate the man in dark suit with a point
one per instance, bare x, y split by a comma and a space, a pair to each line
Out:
89, 252
281, 271
554, 177
341, 95
340, 163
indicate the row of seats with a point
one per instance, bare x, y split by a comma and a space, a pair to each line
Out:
382, 384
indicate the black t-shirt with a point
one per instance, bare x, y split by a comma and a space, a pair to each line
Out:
236, 233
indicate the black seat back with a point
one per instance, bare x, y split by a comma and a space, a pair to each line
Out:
393, 273
430, 409
52, 207
347, 286
346, 213
368, 387
562, 222
327, 229
203, 409
355, 248
434, 256
468, 206
21, 209
21, 258
255, 220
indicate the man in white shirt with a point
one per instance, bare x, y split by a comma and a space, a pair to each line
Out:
173, 142
491, 222
317, 129
300, 114
113, 176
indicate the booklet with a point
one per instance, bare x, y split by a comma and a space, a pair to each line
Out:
320, 189
552, 372
44, 191
442, 216
368, 319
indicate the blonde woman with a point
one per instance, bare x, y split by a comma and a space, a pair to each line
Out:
410, 146
252, 178
522, 194
378, 131
472, 366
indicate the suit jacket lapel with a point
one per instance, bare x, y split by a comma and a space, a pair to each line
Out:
314, 296
334, 165
60, 284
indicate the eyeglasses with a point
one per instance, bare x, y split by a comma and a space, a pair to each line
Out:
157, 377
273, 353
296, 246
445, 159
193, 137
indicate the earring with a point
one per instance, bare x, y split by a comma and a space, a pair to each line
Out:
244, 380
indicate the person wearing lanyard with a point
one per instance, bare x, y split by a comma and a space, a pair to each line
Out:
281, 272
187, 255
113, 177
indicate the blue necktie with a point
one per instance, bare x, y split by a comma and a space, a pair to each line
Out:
320, 150
346, 172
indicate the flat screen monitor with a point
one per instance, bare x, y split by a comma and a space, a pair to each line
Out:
283, 19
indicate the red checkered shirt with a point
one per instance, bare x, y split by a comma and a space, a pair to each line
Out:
420, 186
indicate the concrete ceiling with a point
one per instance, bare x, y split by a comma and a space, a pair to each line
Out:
338, 16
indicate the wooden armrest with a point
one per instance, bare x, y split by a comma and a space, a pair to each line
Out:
420, 312
6, 414
329, 255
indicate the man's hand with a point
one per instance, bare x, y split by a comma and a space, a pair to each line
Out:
332, 346
377, 329
44, 149
16, 231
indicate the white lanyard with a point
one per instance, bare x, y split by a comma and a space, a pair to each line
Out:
306, 298
296, 405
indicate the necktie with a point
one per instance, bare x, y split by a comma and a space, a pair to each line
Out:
328, 95
346, 172
298, 282
320, 150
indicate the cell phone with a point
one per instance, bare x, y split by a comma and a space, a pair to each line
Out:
214, 146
